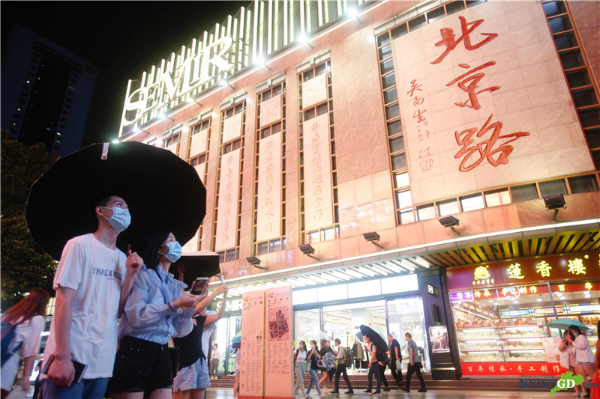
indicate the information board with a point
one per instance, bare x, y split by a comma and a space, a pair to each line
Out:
279, 375
252, 350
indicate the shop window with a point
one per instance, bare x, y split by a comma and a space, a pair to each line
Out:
471, 202
524, 193
497, 197
448, 207
397, 284
406, 315
583, 184
553, 187
301, 297
332, 292
364, 288
426, 212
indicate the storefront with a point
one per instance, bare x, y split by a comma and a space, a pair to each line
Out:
501, 311
227, 327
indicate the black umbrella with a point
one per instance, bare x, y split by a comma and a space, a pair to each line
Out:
162, 192
197, 264
375, 336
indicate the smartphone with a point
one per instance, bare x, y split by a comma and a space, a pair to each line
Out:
79, 369
222, 279
199, 286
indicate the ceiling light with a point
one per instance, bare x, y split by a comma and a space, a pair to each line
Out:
329, 277
353, 273
341, 275
380, 269
318, 279
420, 260
392, 267
366, 271
539, 299
407, 265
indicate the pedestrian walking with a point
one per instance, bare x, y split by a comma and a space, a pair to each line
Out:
313, 357
193, 378
395, 359
328, 368
156, 310
92, 283
568, 360
215, 356
584, 356
415, 365
382, 362
22, 326
300, 367
344, 360
238, 367
373, 367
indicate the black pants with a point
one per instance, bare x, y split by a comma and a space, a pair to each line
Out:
341, 369
416, 368
382, 374
397, 374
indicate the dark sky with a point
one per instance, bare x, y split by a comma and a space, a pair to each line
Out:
122, 39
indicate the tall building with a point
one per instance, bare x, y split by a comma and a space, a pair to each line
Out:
46, 92
428, 167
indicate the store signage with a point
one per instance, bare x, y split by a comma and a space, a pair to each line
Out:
526, 270
515, 313
233, 305
193, 72
512, 368
468, 124
431, 289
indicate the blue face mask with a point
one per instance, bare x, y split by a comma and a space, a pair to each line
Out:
120, 219
174, 251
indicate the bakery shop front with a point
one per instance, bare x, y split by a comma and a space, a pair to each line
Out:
501, 311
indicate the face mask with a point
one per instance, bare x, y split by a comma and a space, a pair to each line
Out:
329, 345
312, 347
300, 346
120, 219
174, 251
575, 334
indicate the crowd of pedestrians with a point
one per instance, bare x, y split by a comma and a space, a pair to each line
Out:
578, 358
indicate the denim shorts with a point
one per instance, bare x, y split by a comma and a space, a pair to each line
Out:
193, 377
584, 363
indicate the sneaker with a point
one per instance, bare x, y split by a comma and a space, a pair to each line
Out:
335, 391
368, 391
387, 389
377, 393
406, 389
349, 392
422, 390
322, 395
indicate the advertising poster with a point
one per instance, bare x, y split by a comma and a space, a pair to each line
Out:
551, 348
252, 350
279, 374
438, 339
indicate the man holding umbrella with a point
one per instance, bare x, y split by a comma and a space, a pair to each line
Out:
90, 296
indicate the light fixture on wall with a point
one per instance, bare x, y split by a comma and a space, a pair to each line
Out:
225, 82
254, 261
136, 129
450, 221
162, 115
372, 238
115, 141
555, 203
353, 13
192, 100
260, 61
307, 250
303, 39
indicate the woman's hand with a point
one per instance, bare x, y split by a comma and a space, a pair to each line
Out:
187, 300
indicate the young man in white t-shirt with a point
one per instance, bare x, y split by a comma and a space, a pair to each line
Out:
92, 283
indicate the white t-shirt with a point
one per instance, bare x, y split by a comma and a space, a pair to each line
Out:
30, 334
96, 272
301, 356
207, 332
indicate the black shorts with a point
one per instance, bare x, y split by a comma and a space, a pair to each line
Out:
141, 366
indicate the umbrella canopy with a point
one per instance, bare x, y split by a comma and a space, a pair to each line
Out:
162, 191
375, 336
197, 264
237, 339
564, 324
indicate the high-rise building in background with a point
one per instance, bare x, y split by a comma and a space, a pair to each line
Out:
46, 92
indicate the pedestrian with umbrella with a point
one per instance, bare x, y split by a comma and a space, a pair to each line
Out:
77, 212
376, 343
414, 365
157, 309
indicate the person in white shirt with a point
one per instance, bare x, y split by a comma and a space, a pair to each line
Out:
215, 356
300, 362
584, 357
92, 283
28, 320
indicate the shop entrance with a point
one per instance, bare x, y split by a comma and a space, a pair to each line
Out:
227, 328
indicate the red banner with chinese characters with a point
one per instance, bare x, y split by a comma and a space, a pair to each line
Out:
567, 267
513, 368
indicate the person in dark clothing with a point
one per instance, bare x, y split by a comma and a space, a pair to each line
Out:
382, 360
415, 365
395, 359
340, 356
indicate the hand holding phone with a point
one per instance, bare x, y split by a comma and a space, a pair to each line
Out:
199, 286
62, 374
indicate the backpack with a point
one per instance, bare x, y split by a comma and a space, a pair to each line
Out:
347, 357
8, 336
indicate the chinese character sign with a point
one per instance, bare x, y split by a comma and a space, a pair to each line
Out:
268, 221
232, 127
270, 110
476, 111
279, 364
228, 201
253, 344
317, 173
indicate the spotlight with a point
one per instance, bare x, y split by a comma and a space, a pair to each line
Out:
450, 221
260, 61
162, 115
224, 83
353, 13
307, 250
192, 100
555, 202
372, 238
304, 39
116, 141
254, 261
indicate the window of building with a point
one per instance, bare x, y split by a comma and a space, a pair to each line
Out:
448, 207
524, 192
497, 197
471, 202
426, 211
553, 187
583, 184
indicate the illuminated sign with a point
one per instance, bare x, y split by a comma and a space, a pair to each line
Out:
431, 289
234, 305
195, 71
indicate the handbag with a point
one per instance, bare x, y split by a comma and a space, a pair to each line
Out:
398, 365
175, 355
321, 364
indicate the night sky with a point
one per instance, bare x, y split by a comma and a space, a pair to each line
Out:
122, 39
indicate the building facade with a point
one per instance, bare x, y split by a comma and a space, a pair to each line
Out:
372, 154
46, 92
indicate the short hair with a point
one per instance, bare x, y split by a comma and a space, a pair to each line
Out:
337, 340
409, 336
390, 335
102, 201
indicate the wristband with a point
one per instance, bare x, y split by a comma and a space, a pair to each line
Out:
170, 305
